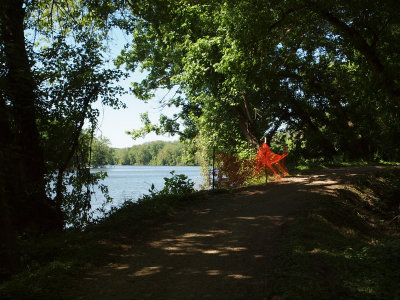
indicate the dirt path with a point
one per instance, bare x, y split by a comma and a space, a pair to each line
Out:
219, 249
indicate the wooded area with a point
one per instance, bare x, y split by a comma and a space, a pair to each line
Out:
320, 76
155, 153
324, 72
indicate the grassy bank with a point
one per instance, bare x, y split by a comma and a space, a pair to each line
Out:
49, 262
345, 246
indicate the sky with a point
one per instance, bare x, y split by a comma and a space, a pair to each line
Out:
114, 123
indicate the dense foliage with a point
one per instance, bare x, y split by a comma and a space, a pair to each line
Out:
325, 73
156, 153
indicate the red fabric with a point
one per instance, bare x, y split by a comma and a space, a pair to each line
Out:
265, 158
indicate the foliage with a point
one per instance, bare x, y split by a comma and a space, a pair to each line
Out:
245, 70
178, 184
234, 172
102, 153
53, 69
65, 73
155, 153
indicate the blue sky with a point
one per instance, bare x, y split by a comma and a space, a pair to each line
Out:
114, 123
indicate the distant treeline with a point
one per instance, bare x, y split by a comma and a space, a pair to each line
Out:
156, 153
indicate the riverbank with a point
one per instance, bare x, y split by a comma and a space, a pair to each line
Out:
310, 235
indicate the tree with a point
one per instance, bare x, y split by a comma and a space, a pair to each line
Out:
244, 70
156, 153
22, 148
102, 154
46, 94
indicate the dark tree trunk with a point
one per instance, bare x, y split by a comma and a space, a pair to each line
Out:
30, 205
74, 145
8, 238
246, 123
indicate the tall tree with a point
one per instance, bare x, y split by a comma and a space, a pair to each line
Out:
47, 91
28, 186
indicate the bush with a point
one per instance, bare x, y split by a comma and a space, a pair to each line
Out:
152, 206
178, 184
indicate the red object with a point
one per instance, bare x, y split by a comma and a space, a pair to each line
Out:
235, 172
267, 159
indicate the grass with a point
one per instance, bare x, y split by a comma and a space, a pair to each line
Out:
344, 247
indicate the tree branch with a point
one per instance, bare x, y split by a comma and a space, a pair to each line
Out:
75, 143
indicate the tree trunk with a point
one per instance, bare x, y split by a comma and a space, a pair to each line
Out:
246, 123
74, 141
31, 206
9, 261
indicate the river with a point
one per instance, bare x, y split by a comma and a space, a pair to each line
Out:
130, 182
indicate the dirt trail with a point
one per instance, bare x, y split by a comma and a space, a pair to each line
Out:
220, 248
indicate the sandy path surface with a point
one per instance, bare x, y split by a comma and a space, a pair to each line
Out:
220, 248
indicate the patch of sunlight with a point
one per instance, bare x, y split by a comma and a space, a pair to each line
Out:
171, 248
246, 218
202, 212
239, 276
161, 242
178, 253
210, 251
234, 249
125, 247
213, 272
322, 251
220, 231
118, 266
146, 271
191, 235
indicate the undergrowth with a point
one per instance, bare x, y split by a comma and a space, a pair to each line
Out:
346, 247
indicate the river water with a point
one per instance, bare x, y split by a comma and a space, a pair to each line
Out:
131, 182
